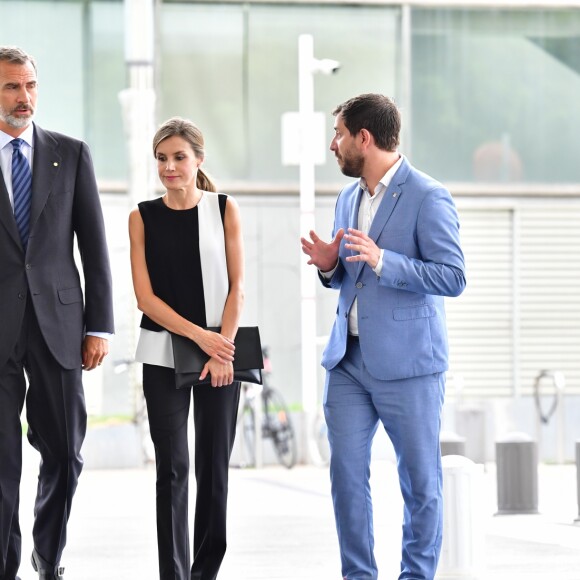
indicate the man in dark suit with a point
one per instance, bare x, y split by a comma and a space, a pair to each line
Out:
394, 256
48, 195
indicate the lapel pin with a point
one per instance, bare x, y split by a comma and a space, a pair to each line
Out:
395, 194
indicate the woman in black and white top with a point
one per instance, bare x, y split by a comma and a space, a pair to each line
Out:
187, 263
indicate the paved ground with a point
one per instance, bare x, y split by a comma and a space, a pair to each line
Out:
281, 526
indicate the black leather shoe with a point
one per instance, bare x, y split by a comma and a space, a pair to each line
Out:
44, 572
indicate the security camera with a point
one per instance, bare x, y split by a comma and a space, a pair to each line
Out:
326, 66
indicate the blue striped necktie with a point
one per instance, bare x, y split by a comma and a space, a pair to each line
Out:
21, 189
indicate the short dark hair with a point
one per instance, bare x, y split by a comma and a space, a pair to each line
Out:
378, 114
16, 55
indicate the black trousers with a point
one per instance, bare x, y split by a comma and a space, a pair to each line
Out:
57, 420
214, 414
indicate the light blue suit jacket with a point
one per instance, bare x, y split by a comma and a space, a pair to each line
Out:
401, 315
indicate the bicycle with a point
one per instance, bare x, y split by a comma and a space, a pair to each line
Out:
276, 422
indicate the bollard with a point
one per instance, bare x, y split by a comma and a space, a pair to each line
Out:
517, 474
471, 423
577, 520
451, 443
463, 539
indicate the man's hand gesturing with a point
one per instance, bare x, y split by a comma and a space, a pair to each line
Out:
323, 255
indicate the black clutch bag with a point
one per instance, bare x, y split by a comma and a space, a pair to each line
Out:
189, 359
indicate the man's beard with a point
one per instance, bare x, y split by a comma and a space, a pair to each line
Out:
352, 165
9, 118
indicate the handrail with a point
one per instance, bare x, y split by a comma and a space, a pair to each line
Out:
558, 382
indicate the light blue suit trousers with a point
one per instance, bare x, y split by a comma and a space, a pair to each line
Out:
409, 410
394, 373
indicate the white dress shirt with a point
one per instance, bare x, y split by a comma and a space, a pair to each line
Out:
369, 204
6, 155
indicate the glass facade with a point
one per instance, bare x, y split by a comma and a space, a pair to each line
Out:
201, 77
78, 46
492, 102
53, 32
106, 77
233, 69
495, 94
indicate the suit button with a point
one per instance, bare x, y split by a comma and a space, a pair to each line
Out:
21, 295
28, 266
359, 285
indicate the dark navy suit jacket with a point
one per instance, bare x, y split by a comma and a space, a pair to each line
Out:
65, 203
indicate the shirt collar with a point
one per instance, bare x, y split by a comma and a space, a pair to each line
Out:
385, 180
27, 136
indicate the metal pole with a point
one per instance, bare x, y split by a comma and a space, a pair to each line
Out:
543, 417
138, 109
406, 80
307, 222
138, 100
258, 421
577, 520
560, 383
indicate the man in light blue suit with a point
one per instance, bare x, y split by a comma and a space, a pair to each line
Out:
394, 256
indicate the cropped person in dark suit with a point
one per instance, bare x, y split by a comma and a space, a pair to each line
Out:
48, 196
394, 256
188, 265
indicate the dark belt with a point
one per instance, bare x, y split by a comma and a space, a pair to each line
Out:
353, 337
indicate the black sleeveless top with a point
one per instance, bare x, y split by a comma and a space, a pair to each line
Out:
172, 253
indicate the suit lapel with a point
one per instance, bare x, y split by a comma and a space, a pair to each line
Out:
353, 223
7, 213
46, 166
353, 217
391, 198
387, 205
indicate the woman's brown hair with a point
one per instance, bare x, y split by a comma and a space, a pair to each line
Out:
178, 127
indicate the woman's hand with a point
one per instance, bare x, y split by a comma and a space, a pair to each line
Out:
216, 346
222, 374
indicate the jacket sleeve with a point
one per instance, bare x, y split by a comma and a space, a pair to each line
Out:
440, 269
336, 280
89, 227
